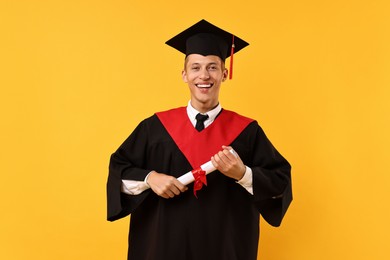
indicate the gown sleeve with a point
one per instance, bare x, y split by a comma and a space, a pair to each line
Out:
127, 163
272, 190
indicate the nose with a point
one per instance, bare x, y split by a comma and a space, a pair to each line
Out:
204, 74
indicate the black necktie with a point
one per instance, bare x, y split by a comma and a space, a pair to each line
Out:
200, 121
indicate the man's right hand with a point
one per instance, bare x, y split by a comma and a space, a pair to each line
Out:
164, 185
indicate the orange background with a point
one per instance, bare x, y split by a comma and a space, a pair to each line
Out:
76, 77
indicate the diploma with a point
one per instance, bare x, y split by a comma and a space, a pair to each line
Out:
189, 176
199, 175
208, 167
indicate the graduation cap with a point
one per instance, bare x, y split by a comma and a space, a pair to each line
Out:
207, 39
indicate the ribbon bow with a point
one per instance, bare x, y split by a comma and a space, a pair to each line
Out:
200, 179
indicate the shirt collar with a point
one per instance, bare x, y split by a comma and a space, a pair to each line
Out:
192, 112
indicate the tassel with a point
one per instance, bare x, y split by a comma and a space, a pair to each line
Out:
231, 59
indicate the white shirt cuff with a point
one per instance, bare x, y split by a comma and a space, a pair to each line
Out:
135, 187
246, 180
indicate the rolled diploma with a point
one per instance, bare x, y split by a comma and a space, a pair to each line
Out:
137, 187
189, 177
207, 167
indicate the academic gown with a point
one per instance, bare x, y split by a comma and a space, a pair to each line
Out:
222, 222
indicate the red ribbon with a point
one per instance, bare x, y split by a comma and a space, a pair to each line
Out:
200, 179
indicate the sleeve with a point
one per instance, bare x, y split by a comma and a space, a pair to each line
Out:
134, 187
271, 173
246, 180
127, 163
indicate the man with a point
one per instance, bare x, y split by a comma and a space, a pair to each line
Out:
217, 221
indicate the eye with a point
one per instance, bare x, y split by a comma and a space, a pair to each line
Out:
213, 67
195, 68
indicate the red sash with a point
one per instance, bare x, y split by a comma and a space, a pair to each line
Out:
198, 147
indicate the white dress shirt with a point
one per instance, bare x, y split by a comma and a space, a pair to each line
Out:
136, 187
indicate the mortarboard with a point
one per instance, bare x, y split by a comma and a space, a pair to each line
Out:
207, 39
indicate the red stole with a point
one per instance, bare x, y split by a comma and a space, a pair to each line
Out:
198, 147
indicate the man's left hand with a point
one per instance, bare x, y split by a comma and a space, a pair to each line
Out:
228, 163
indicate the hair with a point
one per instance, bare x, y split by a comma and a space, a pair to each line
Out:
222, 63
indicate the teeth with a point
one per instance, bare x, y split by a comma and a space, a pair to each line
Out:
203, 85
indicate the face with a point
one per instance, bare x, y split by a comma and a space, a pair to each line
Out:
204, 75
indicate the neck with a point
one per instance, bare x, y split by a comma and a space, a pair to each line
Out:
204, 107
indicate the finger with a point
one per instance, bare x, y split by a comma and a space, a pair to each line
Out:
218, 159
168, 194
222, 164
180, 186
164, 195
227, 147
175, 190
224, 157
214, 162
230, 153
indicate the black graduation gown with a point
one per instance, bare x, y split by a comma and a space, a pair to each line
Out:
222, 223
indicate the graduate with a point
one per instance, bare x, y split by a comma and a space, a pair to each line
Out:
216, 216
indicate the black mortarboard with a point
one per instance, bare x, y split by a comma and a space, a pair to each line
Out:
207, 39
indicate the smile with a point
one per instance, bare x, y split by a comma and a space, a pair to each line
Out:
209, 85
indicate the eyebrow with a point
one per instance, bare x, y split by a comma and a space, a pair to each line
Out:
208, 64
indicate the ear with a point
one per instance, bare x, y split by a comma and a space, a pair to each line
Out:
184, 76
225, 74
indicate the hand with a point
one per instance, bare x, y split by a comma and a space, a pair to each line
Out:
228, 163
164, 185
